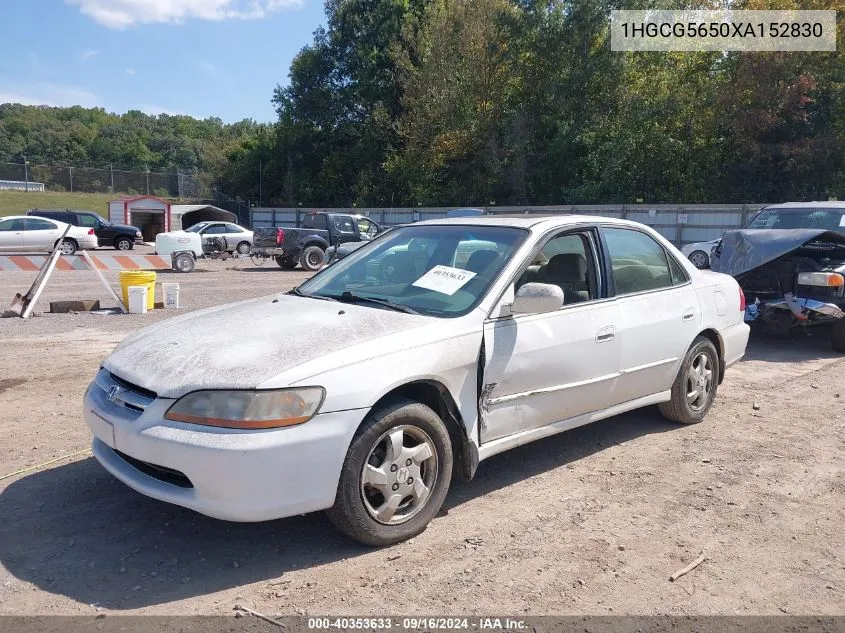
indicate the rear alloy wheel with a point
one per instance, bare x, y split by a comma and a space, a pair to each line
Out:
312, 258
837, 336
67, 247
243, 248
699, 259
396, 475
695, 386
124, 244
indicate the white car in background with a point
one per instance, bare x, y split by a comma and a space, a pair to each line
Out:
362, 390
237, 238
21, 233
699, 253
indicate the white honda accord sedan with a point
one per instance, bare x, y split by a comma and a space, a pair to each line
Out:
433, 347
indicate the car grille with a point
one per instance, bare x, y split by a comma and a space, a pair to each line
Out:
161, 473
120, 396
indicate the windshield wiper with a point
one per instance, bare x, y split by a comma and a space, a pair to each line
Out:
348, 297
299, 293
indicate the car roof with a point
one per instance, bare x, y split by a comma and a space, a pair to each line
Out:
829, 204
528, 221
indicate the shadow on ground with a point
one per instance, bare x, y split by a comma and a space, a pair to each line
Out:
74, 530
800, 344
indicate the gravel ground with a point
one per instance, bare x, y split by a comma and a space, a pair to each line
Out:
592, 521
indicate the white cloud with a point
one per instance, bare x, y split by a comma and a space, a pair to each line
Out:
120, 14
130, 71
48, 94
86, 55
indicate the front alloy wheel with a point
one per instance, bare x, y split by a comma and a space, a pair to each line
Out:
396, 475
699, 259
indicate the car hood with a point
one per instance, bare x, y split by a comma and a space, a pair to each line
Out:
126, 227
743, 251
241, 345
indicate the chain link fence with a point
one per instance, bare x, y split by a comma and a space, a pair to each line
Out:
111, 180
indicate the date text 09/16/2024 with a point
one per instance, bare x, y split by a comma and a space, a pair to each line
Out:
418, 623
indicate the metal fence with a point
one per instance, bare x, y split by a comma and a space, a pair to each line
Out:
679, 223
112, 180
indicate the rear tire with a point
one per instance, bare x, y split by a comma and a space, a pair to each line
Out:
124, 244
402, 449
695, 386
243, 248
285, 264
184, 263
68, 246
837, 336
312, 258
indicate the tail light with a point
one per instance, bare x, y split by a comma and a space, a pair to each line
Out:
280, 237
90, 231
742, 303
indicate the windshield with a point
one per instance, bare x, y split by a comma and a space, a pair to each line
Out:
196, 228
437, 270
827, 219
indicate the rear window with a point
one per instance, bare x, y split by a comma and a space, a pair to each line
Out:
825, 219
314, 221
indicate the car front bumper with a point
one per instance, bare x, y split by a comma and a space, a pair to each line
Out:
223, 473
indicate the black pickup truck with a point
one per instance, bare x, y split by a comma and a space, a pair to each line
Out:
306, 244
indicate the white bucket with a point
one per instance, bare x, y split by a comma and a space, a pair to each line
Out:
171, 295
138, 299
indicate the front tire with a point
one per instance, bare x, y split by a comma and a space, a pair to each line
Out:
837, 336
699, 259
124, 244
395, 476
312, 258
695, 386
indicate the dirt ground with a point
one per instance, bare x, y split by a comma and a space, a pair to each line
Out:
592, 521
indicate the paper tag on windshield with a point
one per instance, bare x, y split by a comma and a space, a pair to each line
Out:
444, 279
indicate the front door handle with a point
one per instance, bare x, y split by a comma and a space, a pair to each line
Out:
689, 314
606, 334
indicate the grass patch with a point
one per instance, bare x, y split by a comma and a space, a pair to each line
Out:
19, 202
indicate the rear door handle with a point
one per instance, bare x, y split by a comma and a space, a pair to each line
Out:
689, 314
606, 334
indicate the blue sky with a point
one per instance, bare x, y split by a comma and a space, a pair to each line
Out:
198, 57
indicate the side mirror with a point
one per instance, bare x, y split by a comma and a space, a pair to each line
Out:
535, 298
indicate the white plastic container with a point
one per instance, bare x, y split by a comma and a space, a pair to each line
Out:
171, 295
138, 299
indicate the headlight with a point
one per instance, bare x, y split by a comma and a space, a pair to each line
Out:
265, 409
138, 234
834, 280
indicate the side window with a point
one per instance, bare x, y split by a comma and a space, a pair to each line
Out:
639, 263
679, 275
6, 225
215, 229
36, 224
565, 261
346, 225
231, 228
88, 221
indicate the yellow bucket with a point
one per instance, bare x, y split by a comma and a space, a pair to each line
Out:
138, 278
